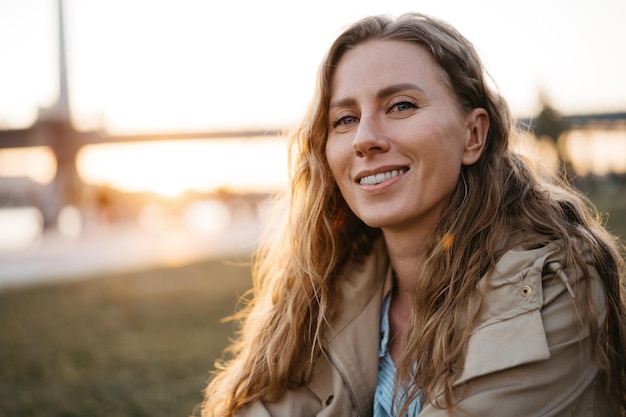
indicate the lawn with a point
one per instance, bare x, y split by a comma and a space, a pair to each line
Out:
137, 344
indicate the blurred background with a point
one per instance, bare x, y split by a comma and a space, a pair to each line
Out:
140, 141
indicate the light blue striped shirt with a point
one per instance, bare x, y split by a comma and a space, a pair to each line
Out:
383, 398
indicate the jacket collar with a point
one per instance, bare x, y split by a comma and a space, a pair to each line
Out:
354, 335
361, 282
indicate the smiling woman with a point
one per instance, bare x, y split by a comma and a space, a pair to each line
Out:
422, 264
173, 167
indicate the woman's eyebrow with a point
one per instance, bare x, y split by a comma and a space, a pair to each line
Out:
383, 93
396, 88
344, 102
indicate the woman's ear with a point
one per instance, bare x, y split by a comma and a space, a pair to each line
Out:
477, 128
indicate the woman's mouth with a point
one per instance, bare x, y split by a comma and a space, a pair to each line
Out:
382, 176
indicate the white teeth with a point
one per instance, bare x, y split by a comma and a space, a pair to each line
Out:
378, 178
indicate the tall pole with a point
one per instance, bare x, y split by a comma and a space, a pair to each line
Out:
62, 139
62, 106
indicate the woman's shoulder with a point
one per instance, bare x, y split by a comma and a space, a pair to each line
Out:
528, 302
525, 275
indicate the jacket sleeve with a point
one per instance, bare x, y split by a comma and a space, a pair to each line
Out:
256, 409
325, 396
292, 404
530, 355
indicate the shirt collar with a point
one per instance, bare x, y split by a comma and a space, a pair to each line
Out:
384, 326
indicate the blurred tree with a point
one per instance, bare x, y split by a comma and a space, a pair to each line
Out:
551, 124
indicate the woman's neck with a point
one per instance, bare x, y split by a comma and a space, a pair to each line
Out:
406, 254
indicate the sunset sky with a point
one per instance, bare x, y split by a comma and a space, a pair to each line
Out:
154, 65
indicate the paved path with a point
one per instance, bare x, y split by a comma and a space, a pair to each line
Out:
117, 250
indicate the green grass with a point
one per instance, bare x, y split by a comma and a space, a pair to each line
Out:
137, 344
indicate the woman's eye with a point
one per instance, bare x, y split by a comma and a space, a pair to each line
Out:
402, 106
345, 121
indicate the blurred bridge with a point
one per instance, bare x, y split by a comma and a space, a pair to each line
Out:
54, 129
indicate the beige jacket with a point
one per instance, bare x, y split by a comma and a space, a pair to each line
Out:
526, 356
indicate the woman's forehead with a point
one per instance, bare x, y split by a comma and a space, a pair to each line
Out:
380, 64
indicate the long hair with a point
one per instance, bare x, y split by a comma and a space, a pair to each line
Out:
297, 267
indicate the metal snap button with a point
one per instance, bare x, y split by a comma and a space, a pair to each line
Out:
526, 291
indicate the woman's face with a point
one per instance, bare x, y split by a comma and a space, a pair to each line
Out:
397, 137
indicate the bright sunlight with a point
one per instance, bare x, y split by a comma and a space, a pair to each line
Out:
36, 163
172, 167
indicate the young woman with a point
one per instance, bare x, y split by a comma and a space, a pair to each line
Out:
423, 266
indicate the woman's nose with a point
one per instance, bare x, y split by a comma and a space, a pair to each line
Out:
369, 138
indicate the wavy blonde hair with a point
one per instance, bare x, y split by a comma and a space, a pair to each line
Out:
297, 266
